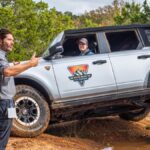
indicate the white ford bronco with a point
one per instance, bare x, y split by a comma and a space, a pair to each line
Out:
65, 86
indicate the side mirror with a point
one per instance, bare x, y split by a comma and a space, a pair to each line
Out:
55, 50
58, 49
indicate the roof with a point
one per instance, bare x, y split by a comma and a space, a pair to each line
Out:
95, 29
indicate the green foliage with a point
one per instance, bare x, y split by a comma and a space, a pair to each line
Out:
33, 26
133, 13
145, 14
103, 15
5, 3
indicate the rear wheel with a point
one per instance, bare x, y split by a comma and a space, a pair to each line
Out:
136, 115
32, 110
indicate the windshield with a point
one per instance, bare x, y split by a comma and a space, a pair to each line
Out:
56, 40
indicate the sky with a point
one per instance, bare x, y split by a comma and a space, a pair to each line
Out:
80, 6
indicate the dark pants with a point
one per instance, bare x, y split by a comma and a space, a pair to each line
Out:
5, 122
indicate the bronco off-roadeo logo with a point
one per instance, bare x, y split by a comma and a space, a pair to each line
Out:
79, 73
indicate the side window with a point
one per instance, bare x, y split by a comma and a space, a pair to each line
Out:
145, 34
123, 40
71, 48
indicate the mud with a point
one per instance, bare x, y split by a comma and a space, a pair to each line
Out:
110, 133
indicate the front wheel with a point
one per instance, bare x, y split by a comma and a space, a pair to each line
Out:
136, 115
32, 110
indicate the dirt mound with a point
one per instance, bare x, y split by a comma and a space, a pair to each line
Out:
92, 134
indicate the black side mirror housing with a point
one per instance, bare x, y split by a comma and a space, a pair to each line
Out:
59, 49
56, 49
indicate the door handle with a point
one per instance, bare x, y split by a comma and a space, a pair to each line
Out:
99, 62
143, 56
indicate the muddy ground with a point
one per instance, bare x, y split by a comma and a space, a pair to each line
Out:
93, 134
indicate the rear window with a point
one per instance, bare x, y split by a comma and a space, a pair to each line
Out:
123, 40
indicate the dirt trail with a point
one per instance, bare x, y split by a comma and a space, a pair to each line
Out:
93, 134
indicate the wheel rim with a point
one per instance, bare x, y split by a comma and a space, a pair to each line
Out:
28, 111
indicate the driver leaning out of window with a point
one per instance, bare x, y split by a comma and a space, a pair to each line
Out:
83, 47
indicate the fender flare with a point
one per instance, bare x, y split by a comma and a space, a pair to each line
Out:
37, 85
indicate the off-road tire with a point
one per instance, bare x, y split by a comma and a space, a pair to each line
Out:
31, 107
135, 116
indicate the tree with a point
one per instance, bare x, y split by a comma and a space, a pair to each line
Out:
103, 15
133, 13
145, 14
33, 26
5, 3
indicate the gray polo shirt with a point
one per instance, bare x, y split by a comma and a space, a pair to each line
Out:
7, 90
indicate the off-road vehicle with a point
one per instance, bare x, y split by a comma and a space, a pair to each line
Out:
65, 86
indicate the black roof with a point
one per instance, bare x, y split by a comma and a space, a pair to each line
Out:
115, 27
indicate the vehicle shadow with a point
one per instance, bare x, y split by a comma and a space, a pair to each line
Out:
104, 130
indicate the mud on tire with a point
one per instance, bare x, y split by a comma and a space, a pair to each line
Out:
135, 116
33, 112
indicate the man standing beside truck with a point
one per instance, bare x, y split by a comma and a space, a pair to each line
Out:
7, 86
